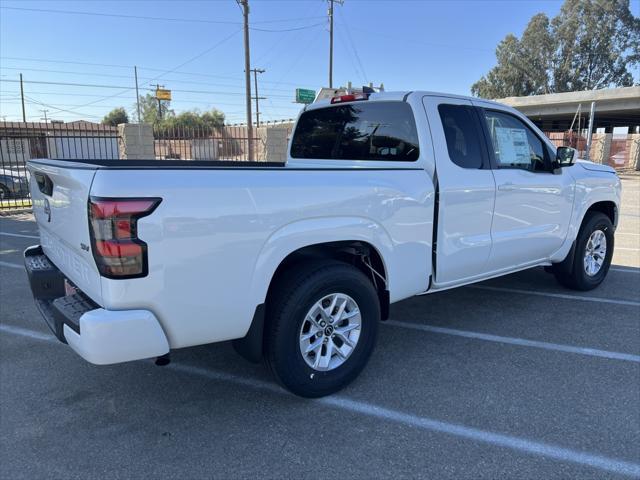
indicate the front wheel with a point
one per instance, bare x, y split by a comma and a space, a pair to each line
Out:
593, 252
322, 327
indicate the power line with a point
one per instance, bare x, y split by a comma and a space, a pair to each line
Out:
16, 101
95, 85
62, 109
273, 50
89, 74
181, 65
353, 47
63, 71
111, 65
42, 82
304, 27
147, 17
354, 63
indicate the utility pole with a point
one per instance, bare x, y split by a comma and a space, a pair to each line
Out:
135, 73
256, 71
45, 115
592, 114
244, 4
331, 2
24, 114
158, 87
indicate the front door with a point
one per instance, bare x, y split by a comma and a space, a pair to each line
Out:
533, 204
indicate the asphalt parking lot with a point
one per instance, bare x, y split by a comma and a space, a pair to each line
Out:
512, 378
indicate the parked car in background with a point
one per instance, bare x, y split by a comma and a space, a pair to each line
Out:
383, 196
13, 184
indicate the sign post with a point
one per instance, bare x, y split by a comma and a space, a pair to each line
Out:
304, 95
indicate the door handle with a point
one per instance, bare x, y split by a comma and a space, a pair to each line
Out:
506, 187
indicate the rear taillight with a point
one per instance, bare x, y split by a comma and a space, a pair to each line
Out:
113, 223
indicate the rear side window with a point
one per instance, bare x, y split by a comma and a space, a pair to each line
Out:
461, 132
358, 131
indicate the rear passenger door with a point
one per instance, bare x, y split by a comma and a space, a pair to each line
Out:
466, 190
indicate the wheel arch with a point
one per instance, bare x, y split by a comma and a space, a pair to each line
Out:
608, 207
320, 237
361, 254
344, 239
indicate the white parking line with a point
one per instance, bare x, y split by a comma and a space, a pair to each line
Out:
496, 439
592, 352
628, 249
27, 333
511, 442
18, 235
11, 265
557, 295
625, 270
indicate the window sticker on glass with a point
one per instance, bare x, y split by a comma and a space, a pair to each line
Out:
513, 146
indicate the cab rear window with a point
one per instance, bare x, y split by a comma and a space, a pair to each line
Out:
384, 131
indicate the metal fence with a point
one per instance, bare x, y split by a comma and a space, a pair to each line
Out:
619, 151
76, 141
201, 143
21, 141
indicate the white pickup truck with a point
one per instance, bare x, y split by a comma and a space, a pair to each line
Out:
383, 196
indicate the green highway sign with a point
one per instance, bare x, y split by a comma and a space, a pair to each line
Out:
305, 96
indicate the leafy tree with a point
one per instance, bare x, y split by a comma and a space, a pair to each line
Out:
596, 41
195, 120
149, 109
590, 44
191, 119
116, 116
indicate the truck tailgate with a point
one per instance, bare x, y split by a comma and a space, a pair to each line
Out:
60, 193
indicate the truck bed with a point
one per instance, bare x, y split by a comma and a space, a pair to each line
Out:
156, 164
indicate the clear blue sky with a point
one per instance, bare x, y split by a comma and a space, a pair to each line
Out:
431, 45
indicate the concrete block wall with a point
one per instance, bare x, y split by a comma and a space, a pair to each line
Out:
276, 143
135, 141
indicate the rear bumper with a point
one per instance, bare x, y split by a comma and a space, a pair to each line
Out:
99, 336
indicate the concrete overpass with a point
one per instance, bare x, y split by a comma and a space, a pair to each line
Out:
615, 107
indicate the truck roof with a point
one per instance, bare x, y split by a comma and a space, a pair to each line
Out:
400, 95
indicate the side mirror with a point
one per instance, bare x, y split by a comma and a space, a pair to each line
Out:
565, 157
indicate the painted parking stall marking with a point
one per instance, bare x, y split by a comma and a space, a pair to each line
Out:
583, 298
592, 352
511, 442
19, 235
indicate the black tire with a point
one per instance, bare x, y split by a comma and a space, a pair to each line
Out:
4, 192
292, 297
573, 275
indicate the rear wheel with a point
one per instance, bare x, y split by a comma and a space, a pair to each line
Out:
593, 252
322, 327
